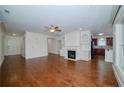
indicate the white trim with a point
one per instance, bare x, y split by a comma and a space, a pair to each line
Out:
2, 61
119, 76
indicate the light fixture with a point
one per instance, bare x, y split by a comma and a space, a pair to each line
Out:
14, 34
80, 28
100, 34
52, 30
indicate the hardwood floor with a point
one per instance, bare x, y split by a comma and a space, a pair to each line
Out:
55, 71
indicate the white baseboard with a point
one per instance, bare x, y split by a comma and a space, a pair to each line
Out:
119, 75
53, 53
31, 57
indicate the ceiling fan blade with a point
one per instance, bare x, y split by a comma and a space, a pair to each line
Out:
59, 30
52, 27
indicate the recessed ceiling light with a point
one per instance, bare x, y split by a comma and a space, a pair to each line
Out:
80, 28
100, 34
14, 34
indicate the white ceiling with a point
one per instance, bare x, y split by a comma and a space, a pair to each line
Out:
69, 18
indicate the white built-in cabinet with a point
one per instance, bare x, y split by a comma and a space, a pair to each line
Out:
72, 39
79, 41
85, 50
86, 40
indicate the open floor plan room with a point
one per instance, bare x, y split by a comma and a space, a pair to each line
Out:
61, 46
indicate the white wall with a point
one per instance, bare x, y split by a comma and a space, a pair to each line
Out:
53, 45
118, 47
1, 43
23, 46
35, 45
118, 54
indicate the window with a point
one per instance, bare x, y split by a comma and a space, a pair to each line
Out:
101, 41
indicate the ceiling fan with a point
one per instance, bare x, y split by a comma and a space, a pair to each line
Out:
53, 28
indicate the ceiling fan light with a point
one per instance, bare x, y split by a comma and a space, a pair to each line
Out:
52, 30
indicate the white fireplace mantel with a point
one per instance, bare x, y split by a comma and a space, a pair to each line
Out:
79, 41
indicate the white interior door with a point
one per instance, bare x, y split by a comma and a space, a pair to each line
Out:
59, 46
12, 46
50, 45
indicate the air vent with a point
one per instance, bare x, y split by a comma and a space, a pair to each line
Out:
6, 11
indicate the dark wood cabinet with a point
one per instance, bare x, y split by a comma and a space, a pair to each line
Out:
94, 40
99, 52
109, 41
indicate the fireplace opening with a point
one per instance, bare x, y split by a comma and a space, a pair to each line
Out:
71, 54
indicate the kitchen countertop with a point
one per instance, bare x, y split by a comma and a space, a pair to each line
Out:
103, 47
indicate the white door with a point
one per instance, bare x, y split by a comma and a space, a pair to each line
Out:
59, 46
12, 46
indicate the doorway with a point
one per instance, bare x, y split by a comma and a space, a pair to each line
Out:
12, 45
54, 46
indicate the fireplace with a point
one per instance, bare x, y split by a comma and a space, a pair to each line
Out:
71, 54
